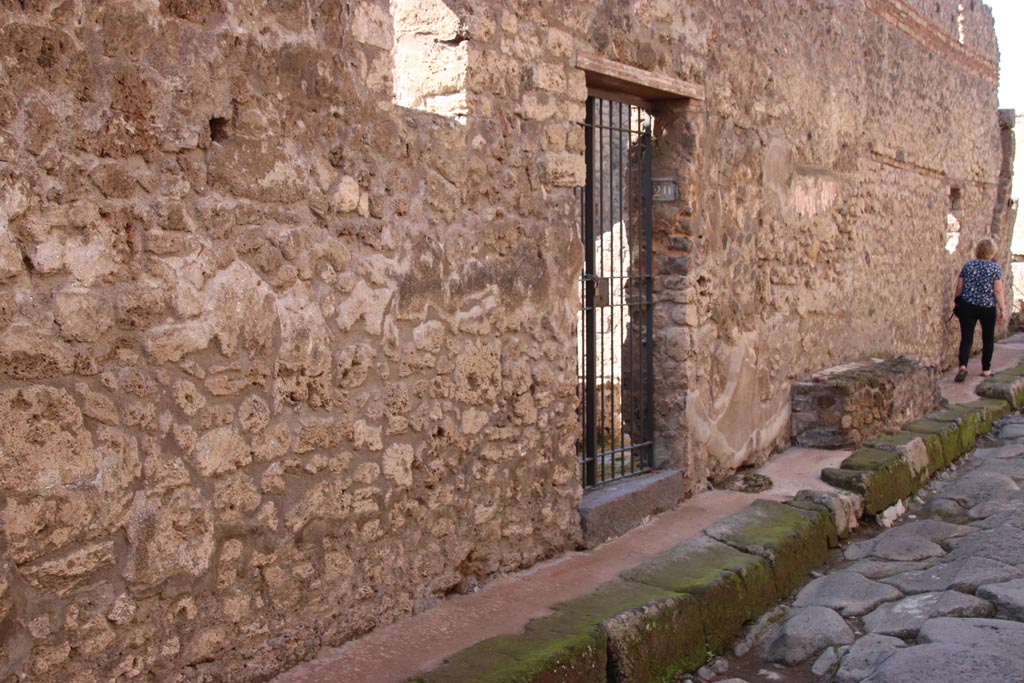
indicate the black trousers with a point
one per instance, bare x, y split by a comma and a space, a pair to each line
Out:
970, 315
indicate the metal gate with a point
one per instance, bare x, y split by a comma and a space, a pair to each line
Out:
615, 362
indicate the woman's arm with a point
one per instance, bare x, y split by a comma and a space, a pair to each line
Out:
998, 289
960, 287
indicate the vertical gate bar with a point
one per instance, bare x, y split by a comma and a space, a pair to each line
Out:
625, 285
601, 150
616, 305
649, 294
590, 434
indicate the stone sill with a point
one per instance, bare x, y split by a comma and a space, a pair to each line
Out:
613, 509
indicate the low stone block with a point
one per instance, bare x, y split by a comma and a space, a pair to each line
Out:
948, 434
794, 541
825, 512
657, 641
882, 477
845, 508
649, 632
922, 451
989, 410
967, 421
614, 509
729, 587
1007, 385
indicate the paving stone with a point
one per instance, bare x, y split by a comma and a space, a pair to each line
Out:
828, 660
1005, 544
980, 486
947, 509
964, 575
847, 592
1012, 468
1013, 518
999, 452
903, 548
942, 663
1000, 635
881, 569
992, 507
864, 656
1011, 430
807, 633
903, 619
1007, 597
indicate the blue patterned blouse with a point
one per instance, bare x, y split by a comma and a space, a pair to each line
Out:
979, 279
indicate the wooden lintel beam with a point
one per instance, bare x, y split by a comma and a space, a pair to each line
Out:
608, 75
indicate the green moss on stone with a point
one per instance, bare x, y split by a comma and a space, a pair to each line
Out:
884, 478
989, 410
850, 480
729, 587
824, 516
966, 419
656, 642
948, 434
864, 459
903, 442
794, 541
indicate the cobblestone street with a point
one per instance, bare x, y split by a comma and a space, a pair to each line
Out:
938, 597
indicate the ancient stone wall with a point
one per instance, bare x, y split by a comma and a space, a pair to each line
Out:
283, 360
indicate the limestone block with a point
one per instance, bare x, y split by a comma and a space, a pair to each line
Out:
241, 309
168, 535
171, 343
48, 523
367, 304
220, 450
266, 169
303, 368
328, 500
371, 23
345, 195
26, 353
398, 464
44, 441
11, 263
565, 170
82, 314
478, 373
71, 572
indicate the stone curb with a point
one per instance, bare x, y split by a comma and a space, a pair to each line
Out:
1007, 385
667, 615
889, 469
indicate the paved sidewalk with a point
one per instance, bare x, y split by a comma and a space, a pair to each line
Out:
394, 653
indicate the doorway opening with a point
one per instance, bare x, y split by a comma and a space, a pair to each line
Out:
616, 364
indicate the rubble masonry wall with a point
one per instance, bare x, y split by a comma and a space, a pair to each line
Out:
282, 361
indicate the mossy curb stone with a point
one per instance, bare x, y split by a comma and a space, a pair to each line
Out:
989, 410
1007, 385
573, 644
882, 477
922, 451
947, 432
966, 419
794, 541
730, 587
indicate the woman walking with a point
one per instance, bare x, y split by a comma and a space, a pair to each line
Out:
979, 298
